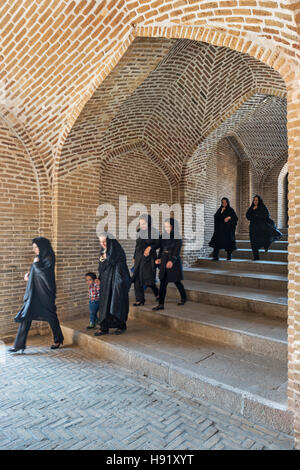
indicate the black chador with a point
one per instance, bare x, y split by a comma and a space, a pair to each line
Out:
170, 247
224, 229
147, 243
262, 229
115, 282
40, 294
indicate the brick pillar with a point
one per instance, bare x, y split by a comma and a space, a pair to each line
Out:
294, 254
244, 195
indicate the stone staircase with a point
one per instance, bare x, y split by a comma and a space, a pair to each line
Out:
227, 345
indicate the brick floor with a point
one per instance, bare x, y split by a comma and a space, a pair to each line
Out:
67, 399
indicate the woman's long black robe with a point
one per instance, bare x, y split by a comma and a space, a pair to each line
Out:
224, 232
262, 229
114, 286
144, 266
40, 294
170, 251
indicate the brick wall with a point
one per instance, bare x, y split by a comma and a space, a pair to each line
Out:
55, 55
19, 223
80, 192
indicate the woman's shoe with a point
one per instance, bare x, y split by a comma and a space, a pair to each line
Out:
91, 326
119, 331
158, 307
16, 350
55, 345
138, 304
182, 302
101, 333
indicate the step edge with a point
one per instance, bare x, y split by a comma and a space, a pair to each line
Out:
232, 296
190, 373
239, 394
214, 325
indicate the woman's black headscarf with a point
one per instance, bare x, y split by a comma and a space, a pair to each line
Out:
260, 201
114, 251
228, 202
45, 247
148, 232
175, 232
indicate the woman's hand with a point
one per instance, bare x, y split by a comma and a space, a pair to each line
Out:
36, 259
147, 251
227, 219
169, 265
157, 261
97, 281
26, 277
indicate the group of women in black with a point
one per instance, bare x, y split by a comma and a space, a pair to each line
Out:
152, 251
114, 278
262, 229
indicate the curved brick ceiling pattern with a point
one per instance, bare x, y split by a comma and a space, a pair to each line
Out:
264, 135
259, 148
172, 103
52, 51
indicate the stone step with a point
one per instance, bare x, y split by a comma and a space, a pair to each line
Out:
236, 264
276, 282
265, 302
243, 383
279, 245
245, 235
242, 330
271, 255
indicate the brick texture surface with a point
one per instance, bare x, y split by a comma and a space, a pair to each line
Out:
87, 84
67, 399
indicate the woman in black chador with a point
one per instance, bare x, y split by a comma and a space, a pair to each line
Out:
114, 286
263, 231
39, 299
169, 261
224, 231
147, 243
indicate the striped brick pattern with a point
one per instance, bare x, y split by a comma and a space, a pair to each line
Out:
56, 54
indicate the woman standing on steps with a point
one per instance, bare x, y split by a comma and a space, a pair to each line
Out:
262, 229
169, 262
39, 299
147, 243
224, 230
115, 282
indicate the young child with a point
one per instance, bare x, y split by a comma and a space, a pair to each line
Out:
94, 297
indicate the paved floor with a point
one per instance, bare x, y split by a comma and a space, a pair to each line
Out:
67, 399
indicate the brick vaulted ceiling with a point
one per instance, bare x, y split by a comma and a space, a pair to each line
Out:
169, 95
53, 51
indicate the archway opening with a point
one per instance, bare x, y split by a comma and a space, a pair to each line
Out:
167, 126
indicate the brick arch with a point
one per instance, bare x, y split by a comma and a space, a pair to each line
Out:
272, 56
281, 196
21, 134
145, 150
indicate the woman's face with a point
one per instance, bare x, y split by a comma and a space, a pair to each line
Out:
35, 249
103, 242
168, 227
255, 201
224, 203
143, 224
